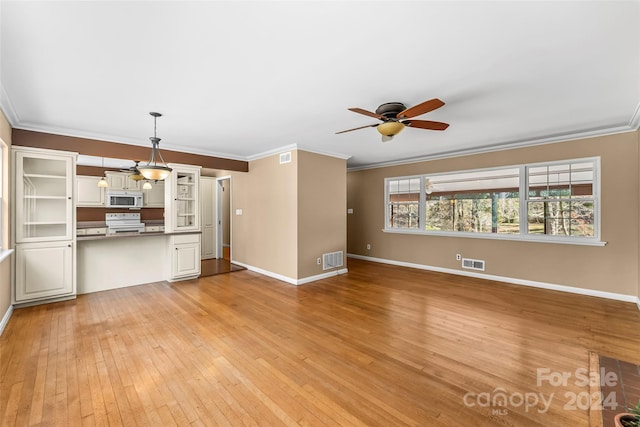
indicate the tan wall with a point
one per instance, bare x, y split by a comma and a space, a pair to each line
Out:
5, 266
322, 207
265, 235
612, 268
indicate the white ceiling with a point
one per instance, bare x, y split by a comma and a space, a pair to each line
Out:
241, 79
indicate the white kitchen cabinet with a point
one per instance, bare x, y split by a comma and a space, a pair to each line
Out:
182, 198
121, 181
208, 198
185, 256
88, 194
44, 270
44, 224
44, 208
154, 198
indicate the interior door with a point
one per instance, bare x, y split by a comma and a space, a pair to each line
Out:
208, 189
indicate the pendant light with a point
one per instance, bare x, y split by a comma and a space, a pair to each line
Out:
153, 170
146, 185
103, 181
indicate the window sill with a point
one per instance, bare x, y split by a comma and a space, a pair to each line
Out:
510, 237
4, 254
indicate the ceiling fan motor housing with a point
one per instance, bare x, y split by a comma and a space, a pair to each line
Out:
390, 109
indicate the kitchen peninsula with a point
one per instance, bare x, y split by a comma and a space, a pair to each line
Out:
58, 256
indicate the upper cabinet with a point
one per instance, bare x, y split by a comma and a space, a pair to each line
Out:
154, 198
88, 194
121, 181
182, 198
44, 195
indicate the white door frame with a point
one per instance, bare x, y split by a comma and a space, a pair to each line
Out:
218, 219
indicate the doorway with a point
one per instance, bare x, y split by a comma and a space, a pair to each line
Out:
223, 239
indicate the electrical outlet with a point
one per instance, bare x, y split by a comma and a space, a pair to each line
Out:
458, 257
368, 246
318, 261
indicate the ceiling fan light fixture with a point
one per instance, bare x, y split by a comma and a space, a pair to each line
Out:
136, 177
152, 170
103, 183
146, 185
390, 128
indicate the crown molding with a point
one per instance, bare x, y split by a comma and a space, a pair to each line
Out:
291, 147
634, 123
123, 140
7, 108
503, 146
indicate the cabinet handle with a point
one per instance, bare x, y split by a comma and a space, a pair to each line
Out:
68, 246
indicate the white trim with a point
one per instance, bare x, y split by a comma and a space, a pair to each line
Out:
634, 123
5, 254
288, 279
7, 108
123, 140
523, 282
579, 241
291, 147
5, 319
503, 146
638, 303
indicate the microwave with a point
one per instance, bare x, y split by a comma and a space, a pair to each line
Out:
124, 199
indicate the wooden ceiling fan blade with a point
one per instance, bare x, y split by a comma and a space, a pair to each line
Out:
426, 124
367, 113
361, 127
419, 109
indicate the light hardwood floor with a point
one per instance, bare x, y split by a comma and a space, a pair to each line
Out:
380, 345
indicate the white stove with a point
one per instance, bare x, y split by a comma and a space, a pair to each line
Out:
123, 223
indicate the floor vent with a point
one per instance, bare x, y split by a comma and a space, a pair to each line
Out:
285, 157
332, 260
473, 264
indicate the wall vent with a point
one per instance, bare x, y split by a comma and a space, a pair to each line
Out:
473, 264
285, 157
332, 260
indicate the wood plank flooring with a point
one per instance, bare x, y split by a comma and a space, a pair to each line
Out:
378, 346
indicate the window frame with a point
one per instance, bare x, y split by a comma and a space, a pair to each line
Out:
523, 235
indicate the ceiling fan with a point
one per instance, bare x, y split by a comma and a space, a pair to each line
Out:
134, 172
395, 115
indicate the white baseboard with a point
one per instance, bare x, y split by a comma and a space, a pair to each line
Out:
291, 280
5, 319
543, 285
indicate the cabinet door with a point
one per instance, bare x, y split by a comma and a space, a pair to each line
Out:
186, 260
117, 180
87, 191
44, 190
154, 198
44, 270
121, 181
182, 198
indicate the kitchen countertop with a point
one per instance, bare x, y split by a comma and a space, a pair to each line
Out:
132, 234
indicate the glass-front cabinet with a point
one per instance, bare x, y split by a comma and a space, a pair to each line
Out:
182, 198
44, 196
44, 224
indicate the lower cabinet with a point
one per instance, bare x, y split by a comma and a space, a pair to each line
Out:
44, 270
185, 256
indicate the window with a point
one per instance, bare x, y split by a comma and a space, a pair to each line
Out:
404, 202
551, 201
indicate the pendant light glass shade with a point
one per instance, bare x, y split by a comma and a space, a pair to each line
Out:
154, 170
146, 185
103, 181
